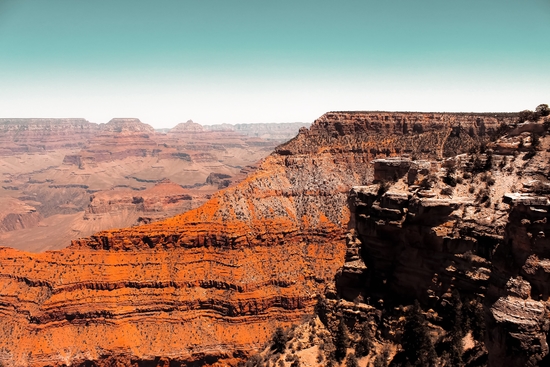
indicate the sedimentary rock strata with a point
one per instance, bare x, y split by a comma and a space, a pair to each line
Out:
474, 223
219, 279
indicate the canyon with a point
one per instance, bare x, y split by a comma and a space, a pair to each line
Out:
367, 210
69, 178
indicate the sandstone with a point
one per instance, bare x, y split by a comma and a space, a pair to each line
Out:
216, 281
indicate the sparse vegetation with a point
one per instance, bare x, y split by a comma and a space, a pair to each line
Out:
280, 338
351, 360
542, 110
364, 345
418, 347
449, 177
341, 341
447, 191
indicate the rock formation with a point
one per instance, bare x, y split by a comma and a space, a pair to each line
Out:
473, 223
15, 214
216, 281
39, 135
56, 165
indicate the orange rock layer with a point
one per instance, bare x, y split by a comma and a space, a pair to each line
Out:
216, 281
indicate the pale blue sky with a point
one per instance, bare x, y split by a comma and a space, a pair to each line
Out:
218, 61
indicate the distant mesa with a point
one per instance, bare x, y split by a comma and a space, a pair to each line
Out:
127, 125
188, 126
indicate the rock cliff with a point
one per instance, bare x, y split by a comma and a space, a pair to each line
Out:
216, 281
473, 224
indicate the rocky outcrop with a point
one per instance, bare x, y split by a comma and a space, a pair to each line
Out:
474, 223
163, 200
127, 125
15, 214
216, 281
519, 290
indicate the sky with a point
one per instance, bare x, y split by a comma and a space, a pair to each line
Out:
248, 61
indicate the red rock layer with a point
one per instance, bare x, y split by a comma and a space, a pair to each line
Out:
216, 280
37, 135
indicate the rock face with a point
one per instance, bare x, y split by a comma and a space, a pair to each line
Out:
216, 281
519, 289
15, 214
473, 223
163, 200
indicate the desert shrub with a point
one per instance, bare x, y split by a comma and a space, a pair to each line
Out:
530, 153
449, 177
447, 190
459, 180
417, 345
329, 350
527, 115
364, 345
466, 175
352, 361
320, 356
456, 318
341, 341
491, 181
381, 361
482, 195
542, 110
280, 338
478, 321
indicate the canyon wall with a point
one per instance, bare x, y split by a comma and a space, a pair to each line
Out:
476, 224
216, 281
